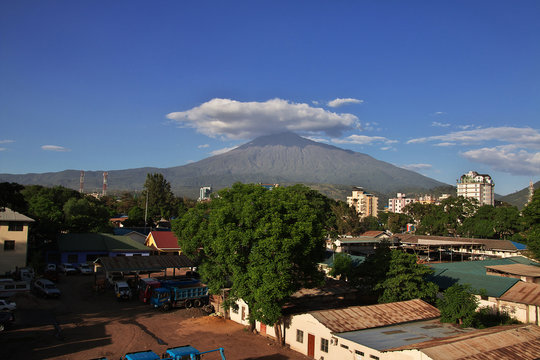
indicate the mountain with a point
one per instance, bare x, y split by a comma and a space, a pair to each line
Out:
284, 158
519, 198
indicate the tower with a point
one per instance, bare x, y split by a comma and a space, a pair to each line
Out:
531, 191
81, 182
105, 175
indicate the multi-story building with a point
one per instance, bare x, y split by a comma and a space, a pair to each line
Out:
397, 204
476, 186
365, 204
13, 239
204, 193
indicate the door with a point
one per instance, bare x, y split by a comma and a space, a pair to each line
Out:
311, 345
263, 329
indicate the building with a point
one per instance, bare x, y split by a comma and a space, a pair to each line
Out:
397, 204
163, 243
365, 204
204, 193
87, 247
477, 186
13, 239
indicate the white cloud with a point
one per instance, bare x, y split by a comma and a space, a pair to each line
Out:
439, 113
525, 137
245, 120
417, 167
6, 141
317, 139
222, 151
364, 140
2, 149
465, 127
507, 158
54, 148
203, 146
443, 144
340, 102
438, 124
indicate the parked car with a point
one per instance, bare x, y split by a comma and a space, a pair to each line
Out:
50, 267
67, 269
45, 287
7, 305
122, 290
6, 319
85, 269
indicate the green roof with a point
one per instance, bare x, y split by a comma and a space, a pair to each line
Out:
474, 274
98, 242
329, 259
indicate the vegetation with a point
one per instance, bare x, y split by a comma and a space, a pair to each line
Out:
531, 220
458, 305
405, 280
161, 201
263, 244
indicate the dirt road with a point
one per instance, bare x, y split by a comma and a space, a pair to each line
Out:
83, 324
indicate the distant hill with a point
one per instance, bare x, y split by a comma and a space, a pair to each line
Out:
519, 198
280, 158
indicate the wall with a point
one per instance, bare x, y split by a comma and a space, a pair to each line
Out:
11, 259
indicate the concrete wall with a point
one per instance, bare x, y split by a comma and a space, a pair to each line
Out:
11, 259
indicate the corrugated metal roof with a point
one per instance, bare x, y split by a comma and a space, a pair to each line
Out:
478, 267
165, 240
489, 285
7, 214
144, 263
98, 242
501, 342
523, 293
372, 316
490, 244
517, 269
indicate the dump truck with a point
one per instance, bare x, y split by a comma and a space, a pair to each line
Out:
167, 298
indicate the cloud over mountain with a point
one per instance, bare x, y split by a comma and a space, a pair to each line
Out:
244, 120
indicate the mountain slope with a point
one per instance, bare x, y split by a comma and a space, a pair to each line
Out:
519, 198
280, 158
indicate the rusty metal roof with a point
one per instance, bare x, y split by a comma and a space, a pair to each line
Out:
144, 263
523, 293
500, 342
516, 269
372, 316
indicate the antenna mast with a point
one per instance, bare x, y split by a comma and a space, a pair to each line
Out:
81, 182
105, 175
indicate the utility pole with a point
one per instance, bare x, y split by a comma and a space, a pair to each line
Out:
146, 211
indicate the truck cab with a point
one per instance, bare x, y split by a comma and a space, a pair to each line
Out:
146, 286
122, 290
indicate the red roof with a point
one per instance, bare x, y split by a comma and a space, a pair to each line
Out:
165, 240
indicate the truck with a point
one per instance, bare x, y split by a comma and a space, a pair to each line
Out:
167, 298
145, 287
185, 352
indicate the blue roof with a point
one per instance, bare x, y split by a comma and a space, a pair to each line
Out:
519, 246
182, 350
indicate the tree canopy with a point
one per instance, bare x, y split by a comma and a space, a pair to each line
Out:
263, 244
161, 200
406, 280
458, 305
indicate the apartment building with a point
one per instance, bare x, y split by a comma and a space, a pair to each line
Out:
365, 204
397, 204
477, 186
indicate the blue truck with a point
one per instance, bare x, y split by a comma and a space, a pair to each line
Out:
185, 352
167, 298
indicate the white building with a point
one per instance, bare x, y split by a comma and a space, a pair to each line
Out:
204, 193
365, 204
397, 204
477, 186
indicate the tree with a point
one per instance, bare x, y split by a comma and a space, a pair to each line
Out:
86, 215
374, 269
342, 266
135, 217
263, 244
370, 223
11, 197
531, 221
458, 305
347, 221
405, 280
161, 200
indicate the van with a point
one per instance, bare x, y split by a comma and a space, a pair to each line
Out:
122, 290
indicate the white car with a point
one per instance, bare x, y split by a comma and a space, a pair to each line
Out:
85, 269
46, 288
7, 305
67, 269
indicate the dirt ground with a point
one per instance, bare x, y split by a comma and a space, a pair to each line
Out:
84, 324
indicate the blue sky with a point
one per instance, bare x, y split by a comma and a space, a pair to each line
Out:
441, 87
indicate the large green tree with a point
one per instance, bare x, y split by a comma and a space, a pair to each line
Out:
458, 305
531, 221
406, 280
11, 197
161, 200
263, 244
86, 215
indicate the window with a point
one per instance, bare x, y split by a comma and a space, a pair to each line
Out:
359, 355
373, 357
9, 245
344, 346
299, 336
235, 310
324, 345
13, 226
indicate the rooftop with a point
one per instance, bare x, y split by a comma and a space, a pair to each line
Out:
7, 214
516, 269
367, 317
523, 293
98, 242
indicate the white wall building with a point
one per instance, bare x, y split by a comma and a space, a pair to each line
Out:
365, 204
477, 186
397, 204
